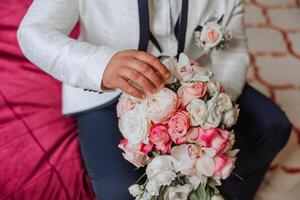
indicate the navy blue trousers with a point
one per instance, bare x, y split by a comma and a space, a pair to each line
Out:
261, 132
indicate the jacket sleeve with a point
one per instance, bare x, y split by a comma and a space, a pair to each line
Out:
43, 38
230, 64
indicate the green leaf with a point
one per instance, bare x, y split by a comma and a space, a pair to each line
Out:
193, 196
203, 192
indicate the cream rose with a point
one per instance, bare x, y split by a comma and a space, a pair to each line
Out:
134, 126
230, 117
159, 106
213, 115
197, 111
224, 102
213, 87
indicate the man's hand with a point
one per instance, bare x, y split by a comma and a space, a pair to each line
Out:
140, 67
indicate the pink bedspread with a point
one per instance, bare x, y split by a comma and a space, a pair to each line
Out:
39, 150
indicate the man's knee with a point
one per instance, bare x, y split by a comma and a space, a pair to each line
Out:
278, 130
282, 128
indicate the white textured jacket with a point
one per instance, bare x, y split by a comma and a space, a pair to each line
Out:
108, 26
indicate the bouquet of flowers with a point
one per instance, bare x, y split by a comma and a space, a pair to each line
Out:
181, 135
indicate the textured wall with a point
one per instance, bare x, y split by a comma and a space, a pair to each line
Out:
273, 30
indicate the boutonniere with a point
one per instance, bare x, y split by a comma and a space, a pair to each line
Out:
212, 35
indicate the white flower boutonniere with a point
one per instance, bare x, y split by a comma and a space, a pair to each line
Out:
212, 36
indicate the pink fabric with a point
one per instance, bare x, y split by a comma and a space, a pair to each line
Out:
39, 150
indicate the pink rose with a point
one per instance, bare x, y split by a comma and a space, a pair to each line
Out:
133, 153
215, 138
146, 148
159, 136
224, 165
189, 91
211, 138
178, 125
123, 106
212, 35
193, 136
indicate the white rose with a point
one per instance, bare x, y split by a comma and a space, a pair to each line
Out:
211, 35
135, 190
230, 117
213, 115
134, 126
178, 192
213, 87
197, 111
217, 197
224, 102
159, 106
160, 171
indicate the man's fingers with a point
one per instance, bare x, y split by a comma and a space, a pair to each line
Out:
151, 60
147, 71
137, 77
129, 89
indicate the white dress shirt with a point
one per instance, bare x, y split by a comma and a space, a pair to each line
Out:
108, 26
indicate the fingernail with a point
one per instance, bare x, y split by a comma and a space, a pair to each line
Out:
167, 75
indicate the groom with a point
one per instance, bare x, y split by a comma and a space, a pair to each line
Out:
101, 61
